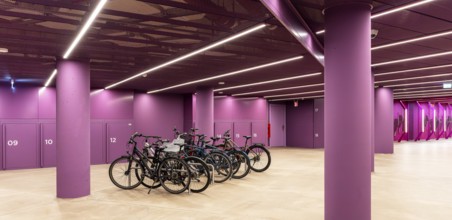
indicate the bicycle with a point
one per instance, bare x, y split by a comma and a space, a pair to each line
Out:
172, 173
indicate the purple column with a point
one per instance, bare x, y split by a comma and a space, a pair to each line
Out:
73, 129
384, 124
204, 111
372, 133
348, 110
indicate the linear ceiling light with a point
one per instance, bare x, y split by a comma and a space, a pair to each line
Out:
411, 78
279, 89
424, 96
293, 94
85, 28
413, 58
413, 40
230, 73
423, 91
390, 11
413, 70
183, 57
51, 78
269, 81
397, 9
414, 88
297, 98
413, 84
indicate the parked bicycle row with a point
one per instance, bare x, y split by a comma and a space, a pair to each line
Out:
189, 162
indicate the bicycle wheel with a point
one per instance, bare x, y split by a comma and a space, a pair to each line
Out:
126, 172
241, 165
200, 175
260, 158
151, 179
222, 166
174, 175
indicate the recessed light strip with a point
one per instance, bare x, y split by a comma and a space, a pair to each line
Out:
413, 70
279, 89
269, 81
413, 58
413, 84
390, 11
423, 91
294, 94
411, 78
229, 74
51, 78
413, 40
297, 98
415, 88
85, 28
424, 96
401, 8
183, 57
79, 36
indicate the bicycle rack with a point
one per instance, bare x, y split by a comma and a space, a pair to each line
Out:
212, 177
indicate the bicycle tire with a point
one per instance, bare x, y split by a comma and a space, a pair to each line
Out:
222, 166
121, 169
151, 179
174, 175
260, 158
200, 174
243, 165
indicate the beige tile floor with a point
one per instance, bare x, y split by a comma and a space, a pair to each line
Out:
414, 183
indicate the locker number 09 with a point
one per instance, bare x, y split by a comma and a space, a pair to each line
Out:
12, 143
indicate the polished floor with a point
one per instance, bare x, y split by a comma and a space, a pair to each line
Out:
414, 183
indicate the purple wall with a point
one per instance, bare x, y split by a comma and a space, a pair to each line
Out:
319, 125
22, 102
384, 115
47, 103
188, 112
399, 121
112, 104
300, 124
158, 114
243, 114
305, 124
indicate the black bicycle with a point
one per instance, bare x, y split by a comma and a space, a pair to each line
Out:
129, 171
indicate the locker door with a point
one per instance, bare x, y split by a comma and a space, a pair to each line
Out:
97, 142
241, 129
118, 135
20, 146
259, 132
221, 127
48, 145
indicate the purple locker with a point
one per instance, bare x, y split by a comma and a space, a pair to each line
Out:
259, 132
241, 129
20, 146
97, 142
221, 127
118, 135
2, 166
48, 145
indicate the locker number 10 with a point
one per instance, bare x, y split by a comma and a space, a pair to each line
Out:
13, 143
48, 141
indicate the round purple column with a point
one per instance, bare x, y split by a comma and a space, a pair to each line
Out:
204, 111
348, 110
73, 129
384, 121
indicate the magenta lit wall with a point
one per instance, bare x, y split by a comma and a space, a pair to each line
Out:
112, 104
305, 124
300, 124
243, 116
399, 121
158, 114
